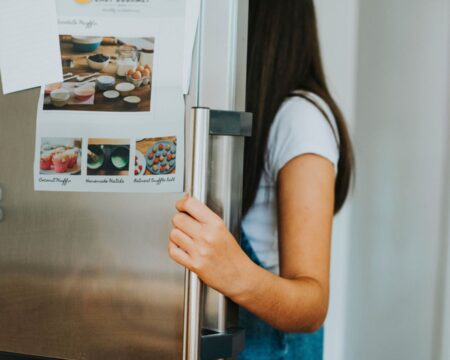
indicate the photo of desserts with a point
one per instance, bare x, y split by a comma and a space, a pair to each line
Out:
155, 156
60, 156
108, 157
103, 73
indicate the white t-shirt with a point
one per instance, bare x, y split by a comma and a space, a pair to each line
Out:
299, 128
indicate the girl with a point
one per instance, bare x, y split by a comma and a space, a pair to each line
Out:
298, 170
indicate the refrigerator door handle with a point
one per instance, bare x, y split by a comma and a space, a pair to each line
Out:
199, 189
203, 343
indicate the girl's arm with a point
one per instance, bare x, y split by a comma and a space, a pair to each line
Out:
297, 300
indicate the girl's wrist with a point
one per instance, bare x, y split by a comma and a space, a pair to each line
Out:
247, 282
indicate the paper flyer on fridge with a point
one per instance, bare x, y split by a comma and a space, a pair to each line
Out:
116, 122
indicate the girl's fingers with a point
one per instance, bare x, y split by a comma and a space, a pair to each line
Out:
183, 241
179, 255
196, 209
187, 224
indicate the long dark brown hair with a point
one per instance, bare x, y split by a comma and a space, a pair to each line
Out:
284, 56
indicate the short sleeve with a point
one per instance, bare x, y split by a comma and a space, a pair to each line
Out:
300, 128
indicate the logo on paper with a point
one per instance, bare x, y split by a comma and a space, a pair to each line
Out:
82, 1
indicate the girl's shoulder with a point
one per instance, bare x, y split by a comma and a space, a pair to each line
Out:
305, 109
302, 126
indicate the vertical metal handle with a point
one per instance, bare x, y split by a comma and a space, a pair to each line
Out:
198, 189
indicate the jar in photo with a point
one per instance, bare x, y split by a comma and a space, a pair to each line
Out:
127, 59
146, 57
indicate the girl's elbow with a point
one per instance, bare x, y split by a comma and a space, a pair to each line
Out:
319, 319
313, 324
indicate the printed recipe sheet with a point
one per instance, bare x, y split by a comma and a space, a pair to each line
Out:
116, 122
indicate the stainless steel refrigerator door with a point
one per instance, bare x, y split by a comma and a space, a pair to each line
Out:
82, 276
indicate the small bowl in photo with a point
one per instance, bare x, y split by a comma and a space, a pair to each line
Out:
50, 87
95, 157
86, 43
105, 82
111, 95
120, 157
59, 97
84, 93
98, 61
125, 88
132, 101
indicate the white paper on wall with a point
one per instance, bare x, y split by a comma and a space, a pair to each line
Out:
29, 51
116, 123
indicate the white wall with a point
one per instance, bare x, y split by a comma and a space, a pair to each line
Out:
388, 66
395, 287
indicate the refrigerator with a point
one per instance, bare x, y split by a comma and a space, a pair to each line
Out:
87, 275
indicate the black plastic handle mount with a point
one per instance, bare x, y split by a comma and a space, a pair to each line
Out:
215, 345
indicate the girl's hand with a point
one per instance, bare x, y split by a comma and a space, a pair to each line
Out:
201, 242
